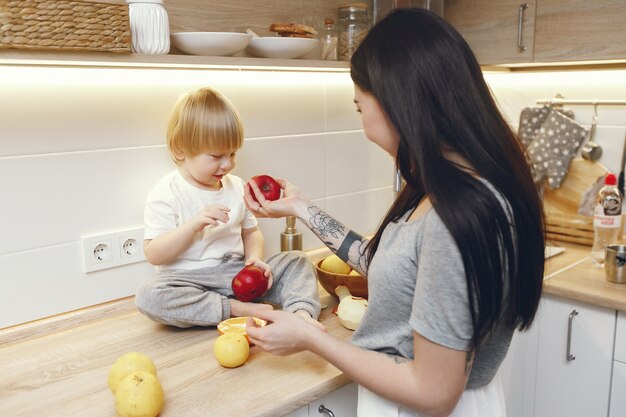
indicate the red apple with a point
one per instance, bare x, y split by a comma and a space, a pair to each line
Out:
249, 283
270, 188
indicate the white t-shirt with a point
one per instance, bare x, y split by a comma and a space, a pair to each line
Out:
174, 201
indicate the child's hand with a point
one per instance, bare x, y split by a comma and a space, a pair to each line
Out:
210, 215
267, 271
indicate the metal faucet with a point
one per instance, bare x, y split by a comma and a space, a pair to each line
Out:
290, 239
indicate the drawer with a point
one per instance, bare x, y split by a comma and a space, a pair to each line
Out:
620, 337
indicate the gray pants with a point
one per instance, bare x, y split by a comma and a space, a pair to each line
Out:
201, 297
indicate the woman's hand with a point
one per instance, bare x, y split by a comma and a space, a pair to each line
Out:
285, 333
288, 205
267, 270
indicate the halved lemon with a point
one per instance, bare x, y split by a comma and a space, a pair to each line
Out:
238, 325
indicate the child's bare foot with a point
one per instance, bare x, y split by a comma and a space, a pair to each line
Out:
307, 317
241, 309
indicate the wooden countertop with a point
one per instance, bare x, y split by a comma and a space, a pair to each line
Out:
571, 274
59, 366
61, 369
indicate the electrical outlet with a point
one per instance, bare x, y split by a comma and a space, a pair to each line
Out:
113, 249
131, 245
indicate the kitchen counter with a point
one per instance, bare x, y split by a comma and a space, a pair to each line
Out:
571, 274
59, 368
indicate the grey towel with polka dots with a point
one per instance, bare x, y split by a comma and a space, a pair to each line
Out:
553, 148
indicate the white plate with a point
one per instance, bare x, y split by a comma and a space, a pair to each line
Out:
210, 43
279, 47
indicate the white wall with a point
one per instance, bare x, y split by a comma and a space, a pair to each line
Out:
516, 90
80, 148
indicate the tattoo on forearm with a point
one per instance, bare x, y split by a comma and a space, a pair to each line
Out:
352, 248
343, 250
323, 225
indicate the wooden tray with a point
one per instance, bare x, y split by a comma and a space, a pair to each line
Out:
563, 222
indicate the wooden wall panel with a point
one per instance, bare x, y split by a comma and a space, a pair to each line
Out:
239, 15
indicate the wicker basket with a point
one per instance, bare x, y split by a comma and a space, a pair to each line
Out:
64, 25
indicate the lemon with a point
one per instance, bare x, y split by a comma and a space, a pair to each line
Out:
126, 365
231, 349
334, 264
139, 394
353, 272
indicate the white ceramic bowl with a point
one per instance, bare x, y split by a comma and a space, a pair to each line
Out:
210, 43
279, 47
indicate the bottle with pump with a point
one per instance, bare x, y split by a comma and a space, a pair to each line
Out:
290, 239
607, 219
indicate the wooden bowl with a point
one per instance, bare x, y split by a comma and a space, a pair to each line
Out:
329, 281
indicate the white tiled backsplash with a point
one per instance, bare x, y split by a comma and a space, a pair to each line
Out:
82, 147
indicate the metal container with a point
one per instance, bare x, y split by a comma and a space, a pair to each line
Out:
290, 239
615, 263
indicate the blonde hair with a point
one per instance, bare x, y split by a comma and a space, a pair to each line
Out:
203, 120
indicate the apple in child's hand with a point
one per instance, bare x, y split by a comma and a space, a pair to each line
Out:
270, 188
249, 283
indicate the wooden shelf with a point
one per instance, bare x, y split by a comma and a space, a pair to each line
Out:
105, 59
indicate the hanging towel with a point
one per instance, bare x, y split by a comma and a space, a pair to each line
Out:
531, 119
551, 152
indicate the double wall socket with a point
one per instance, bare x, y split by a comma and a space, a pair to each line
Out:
113, 249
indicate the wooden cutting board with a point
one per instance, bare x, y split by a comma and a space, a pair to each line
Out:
561, 205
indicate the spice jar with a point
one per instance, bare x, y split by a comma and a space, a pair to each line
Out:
328, 37
149, 27
352, 26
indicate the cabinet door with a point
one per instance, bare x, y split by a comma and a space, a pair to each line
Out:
576, 387
573, 30
342, 403
491, 28
303, 412
618, 390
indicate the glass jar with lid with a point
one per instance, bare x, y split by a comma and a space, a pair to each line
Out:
352, 26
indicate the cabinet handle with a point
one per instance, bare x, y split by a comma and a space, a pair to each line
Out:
520, 20
568, 355
323, 410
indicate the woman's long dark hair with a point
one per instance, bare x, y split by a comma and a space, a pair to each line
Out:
429, 84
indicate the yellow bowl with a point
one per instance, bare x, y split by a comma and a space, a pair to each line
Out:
329, 281
238, 325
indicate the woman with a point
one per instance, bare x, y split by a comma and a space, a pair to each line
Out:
457, 263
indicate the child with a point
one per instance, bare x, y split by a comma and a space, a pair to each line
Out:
199, 233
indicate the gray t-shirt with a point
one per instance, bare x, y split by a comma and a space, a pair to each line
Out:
416, 282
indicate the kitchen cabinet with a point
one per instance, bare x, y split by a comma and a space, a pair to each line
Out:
618, 381
341, 403
551, 30
618, 390
574, 359
492, 28
575, 30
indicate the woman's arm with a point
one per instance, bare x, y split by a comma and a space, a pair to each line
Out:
342, 241
431, 384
